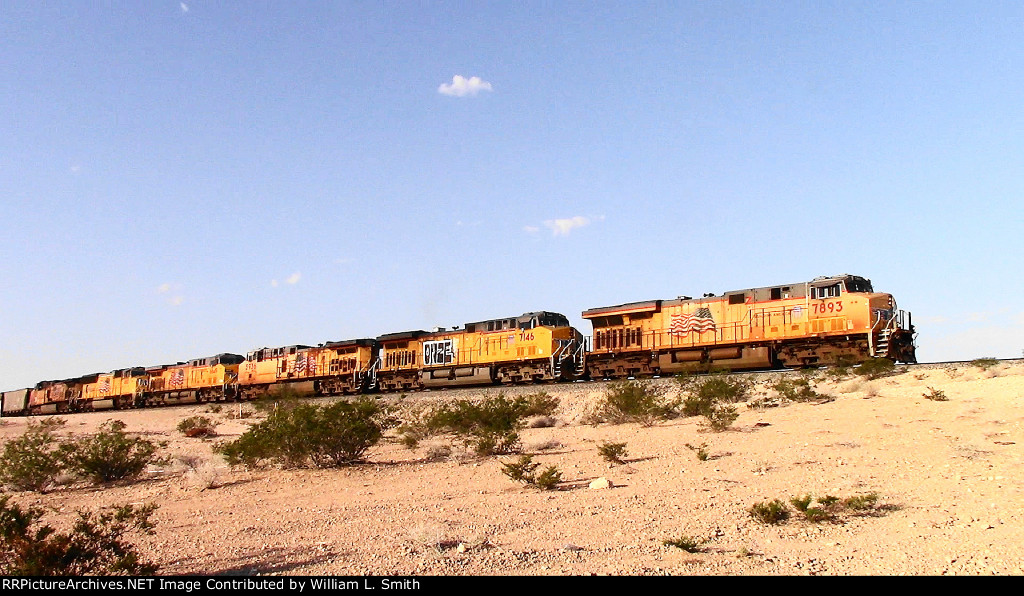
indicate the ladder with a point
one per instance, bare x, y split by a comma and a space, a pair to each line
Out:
569, 350
882, 344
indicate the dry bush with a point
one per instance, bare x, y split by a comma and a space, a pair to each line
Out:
110, 455
541, 422
199, 472
490, 426
333, 435
612, 452
438, 453
94, 546
635, 401
34, 460
547, 445
197, 427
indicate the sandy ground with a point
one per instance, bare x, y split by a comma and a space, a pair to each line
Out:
947, 473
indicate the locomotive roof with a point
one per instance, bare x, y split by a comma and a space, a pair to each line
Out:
348, 342
860, 284
523, 318
402, 335
619, 309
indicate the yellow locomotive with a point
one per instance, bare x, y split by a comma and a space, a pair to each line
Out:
534, 347
828, 320
334, 368
214, 378
124, 387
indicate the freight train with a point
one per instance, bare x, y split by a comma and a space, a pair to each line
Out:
828, 320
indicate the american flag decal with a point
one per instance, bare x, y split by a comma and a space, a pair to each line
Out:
699, 321
305, 365
177, 380
105, 386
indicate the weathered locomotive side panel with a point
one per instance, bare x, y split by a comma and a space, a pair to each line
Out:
825, 321
203, 379
534, 347
51, 397
123, 388
334, 368
398, 364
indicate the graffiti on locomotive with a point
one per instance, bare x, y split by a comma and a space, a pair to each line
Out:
439, 352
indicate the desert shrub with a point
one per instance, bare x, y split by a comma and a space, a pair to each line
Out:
721, 417
812, 514
612, 452
771, 512
700, 450
841, 369
96, 544
438, 453
687, 543
829, 502
860, 502
524, 470
110, 454
33, 461
635, 401
541, 422
414, 426
489, 426
936, 395
875, 368
283, 397
334, 435
796, 390
713, 397
801, 503
817, 515
984, 363
826, 508
197, 426
545, 445
549, 478
837, 373
704, 393
540, 404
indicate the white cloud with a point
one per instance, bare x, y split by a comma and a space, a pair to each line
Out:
184, 7
562, 227
461, 86
174, 300
290, 280
531, 229
75, 169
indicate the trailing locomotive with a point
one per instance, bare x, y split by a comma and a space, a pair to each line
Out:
828, 320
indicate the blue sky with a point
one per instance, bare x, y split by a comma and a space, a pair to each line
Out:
179, 179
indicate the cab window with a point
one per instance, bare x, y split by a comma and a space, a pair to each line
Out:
826, 291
